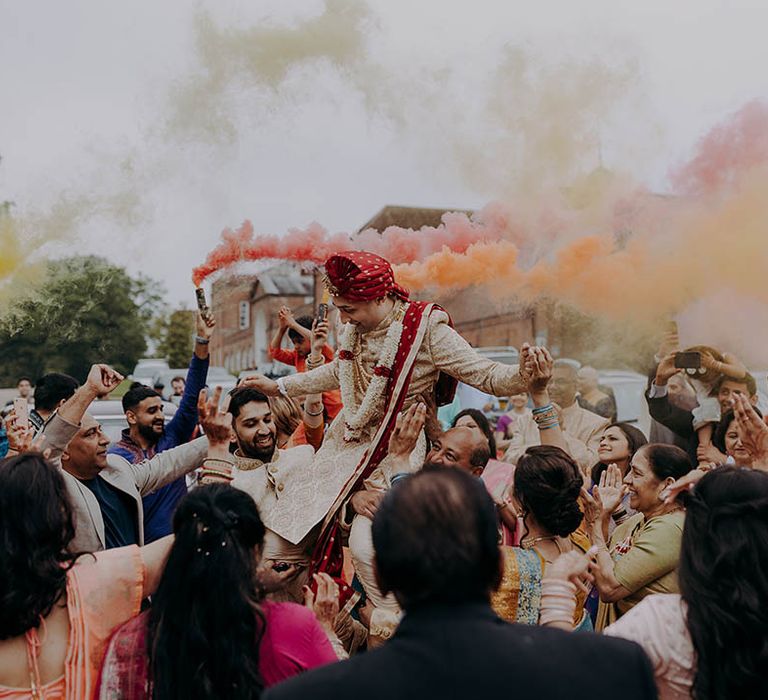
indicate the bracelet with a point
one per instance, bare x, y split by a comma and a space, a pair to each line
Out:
558, 602
208, 480
215, 472
556, 424
315, 415
314, 364
201, 341
218, 461
543, 409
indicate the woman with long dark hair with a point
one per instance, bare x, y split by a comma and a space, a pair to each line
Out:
727, 439
618, 444
210, 633
711, 641
57, 609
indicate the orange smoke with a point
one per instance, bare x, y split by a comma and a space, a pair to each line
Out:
645, 255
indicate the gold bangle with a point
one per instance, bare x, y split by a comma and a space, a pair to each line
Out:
205, 480
219, 461
216, 472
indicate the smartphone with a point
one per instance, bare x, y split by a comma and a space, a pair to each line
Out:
688, 360
21, 409
322, 312
202, 304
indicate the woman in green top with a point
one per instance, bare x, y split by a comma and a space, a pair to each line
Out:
641, 556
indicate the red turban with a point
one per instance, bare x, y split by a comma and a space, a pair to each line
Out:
361, 276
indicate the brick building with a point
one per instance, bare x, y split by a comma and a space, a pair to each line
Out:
246, 309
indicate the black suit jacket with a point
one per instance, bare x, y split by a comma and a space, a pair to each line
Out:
467, 652
678, 420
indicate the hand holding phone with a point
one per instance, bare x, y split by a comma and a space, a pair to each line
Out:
21, 410
688, 360
322, 312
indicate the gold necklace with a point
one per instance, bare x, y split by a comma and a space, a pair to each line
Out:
528, 542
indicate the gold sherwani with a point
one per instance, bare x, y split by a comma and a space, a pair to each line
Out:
442, 349
266, 484
582, 430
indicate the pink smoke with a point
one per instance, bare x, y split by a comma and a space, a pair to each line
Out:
726, 153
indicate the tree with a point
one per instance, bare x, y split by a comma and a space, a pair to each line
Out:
177, 339
86, 310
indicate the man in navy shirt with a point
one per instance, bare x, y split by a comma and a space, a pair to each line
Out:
147, 433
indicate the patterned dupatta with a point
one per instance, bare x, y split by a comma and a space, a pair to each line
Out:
328, 555
125, 669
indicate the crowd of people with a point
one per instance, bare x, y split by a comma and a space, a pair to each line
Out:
323, 535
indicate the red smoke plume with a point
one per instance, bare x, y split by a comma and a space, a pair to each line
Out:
315, 244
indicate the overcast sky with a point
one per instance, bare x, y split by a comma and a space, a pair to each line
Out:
91, 118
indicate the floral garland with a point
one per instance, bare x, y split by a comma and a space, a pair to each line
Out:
358, 418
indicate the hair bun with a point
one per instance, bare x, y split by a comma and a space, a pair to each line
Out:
563, 516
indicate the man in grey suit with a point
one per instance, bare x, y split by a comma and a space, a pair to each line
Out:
106, 490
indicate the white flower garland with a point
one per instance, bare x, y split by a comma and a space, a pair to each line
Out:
358, 418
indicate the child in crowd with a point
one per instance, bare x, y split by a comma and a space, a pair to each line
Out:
714, 366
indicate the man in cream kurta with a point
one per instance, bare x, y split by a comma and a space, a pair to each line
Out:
264, 481
370, 304
262, 470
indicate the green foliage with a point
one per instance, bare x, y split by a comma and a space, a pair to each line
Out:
178, 331
87, 310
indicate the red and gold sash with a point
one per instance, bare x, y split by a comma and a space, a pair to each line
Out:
328, 555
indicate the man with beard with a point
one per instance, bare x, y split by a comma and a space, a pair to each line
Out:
147, 434
261, 469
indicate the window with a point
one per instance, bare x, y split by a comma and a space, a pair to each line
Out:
245, 315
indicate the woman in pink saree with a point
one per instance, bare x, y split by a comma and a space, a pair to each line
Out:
210, 633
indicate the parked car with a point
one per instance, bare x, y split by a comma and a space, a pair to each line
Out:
628, 389
273, 370
109, 413
219, 376
146, 369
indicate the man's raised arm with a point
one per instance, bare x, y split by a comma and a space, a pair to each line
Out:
63, 425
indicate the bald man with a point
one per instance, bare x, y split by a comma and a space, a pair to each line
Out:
463, 448
460, 447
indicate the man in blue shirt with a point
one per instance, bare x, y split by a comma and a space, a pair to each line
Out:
147, 433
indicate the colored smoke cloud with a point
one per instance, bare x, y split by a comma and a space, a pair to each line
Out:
315, 244
699, 253
262, 56
603, 245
